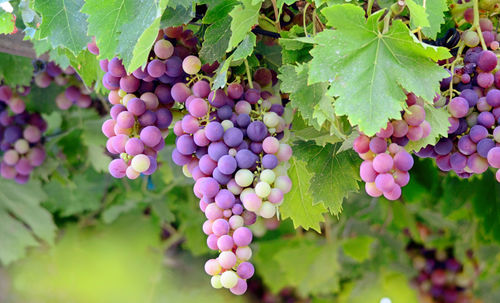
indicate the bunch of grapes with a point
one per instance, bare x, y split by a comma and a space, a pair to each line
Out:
473, 142
230, 143
441, 277
140, 115
75, 92
386, 163
21, 142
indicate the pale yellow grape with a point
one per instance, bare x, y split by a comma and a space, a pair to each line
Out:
185, 171
243, 177
267, 210
215, 281
268, 176
244, 253
140, 163
228, 279
262, 189
227, 124
271, 119
22, 146
127, 98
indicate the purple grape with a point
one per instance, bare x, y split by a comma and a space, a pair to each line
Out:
148, 118
151, 136
484, 146
129, 83
217, 98
485, 80
458, 161
201, 89
257, 131
134, 146
235, 91
163, 118
252, 95
233, 137
487, 61
173, 67
471, 97
115, 68
486, 119
256, 147
180, 92
225, 199
185, 145
156, 68
494, 157
163, 94
227, 164
269, 161
477, 133
246, 159
110, 82
223, 179
243, 120
225, 112
443, 146
217, 149
466, 146
214, 131
179, 158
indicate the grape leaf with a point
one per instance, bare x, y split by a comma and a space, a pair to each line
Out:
125, 26
217, 9
180, 3
486, 205
304, 267
245, 16
20, 75
380, 65
438, 119
299, 204
435, 13
6, 22
221, 74
358, 247
63, 24
418, 14
134, 46
302, 131
271, 272
41, 46
216, 40
271, 55
95, 142
176, 16
335, 175
22, 218
86, 65
81, 194
304, 97
245, 48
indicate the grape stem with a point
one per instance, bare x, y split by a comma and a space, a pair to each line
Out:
304, 19
476, 24
276, 15
249, 76
461, 46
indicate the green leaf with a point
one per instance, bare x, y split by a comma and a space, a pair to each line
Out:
22, 218
435, 14
304, 97
245, 48
216, 40
358, 248
304, 267
63, 24
390, 62
221, 74
438, 119
302, 131
82, 194
217, 9
95, 142
271, 55
134, 45
486, 205
20, 75
41, 46
86, 65
176, 16
418, 14
7, 23
180, 3
126, 27
299, 204
335, 175
245, 16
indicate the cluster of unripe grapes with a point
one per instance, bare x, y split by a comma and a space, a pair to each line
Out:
441, 277
21, 141
230, 143
75, 92
140, 115
473, 142
386, 162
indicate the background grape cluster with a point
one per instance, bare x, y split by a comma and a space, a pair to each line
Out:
21, 137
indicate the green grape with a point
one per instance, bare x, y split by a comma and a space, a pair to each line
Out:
268, 176
243, 177
262, 189
228, 279
140, 163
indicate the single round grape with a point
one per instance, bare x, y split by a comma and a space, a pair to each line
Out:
180, 92
117, 168
17, 105
262, 189
242, 236
244, 253
361, 144
284, 152
378, 145
252, 95
213, 212
150, 136
11, 157
484, 146
494, 157
470, 38
233, 136
129, 83
227, 164
229, 279
150, 100
496, 134
21, 146
394, 194
224, 199
227, 124
215, 282
477, 164
235, 91
257, 131
140, 163
385, 182
401, 177
403, 160
212, 267
185, 145
214, 131
5, 93
32, 134
487, 61
236, 221
116, 69
382, 163
163, 49
125, 120
466, 146
156, 68
485, 80
173, 66
225, 243
220, 227
243, 107
136, 106
63, 102
243, 177
191, 65
372, 190
414, 115
458, 107
367, 172
209, 187
267, 176
283, 183
148, 118
486, 119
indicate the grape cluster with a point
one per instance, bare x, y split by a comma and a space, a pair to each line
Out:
140, 115
229, 143
21, 142
386, 163
75, 92
473, 142
441, 277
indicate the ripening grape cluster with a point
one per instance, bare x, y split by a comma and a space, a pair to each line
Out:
230, 143
473, 142
75, 92
386, 162
21, 142
441, 277
140, 115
